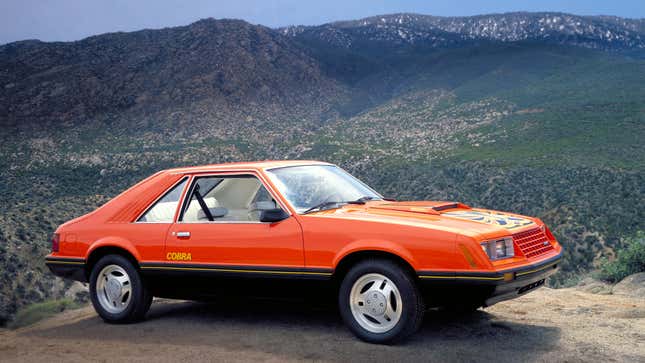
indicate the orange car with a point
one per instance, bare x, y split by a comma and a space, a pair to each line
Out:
299, 228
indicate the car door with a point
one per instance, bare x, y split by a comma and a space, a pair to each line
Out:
219, 226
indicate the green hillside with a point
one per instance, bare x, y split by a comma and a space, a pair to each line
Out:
542, 129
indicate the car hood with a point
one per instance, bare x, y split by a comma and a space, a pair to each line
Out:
443, 215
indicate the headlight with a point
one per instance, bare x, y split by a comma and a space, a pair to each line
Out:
498, 249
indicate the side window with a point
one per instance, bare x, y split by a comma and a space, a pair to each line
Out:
164, 210
238, 198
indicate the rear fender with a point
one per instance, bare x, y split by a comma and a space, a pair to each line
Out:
113, 241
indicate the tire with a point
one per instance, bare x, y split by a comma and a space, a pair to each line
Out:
121, 295
385, 318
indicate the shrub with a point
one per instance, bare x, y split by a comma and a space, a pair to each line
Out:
629, 260
39, 311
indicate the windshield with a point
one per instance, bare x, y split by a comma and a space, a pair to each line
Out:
319, 186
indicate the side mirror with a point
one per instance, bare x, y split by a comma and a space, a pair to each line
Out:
273, 215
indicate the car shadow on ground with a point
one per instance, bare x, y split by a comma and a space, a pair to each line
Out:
300, 331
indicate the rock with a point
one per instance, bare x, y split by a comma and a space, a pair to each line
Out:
632, 285
593, 286
76, 291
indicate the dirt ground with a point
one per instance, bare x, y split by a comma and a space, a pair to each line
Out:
547, 325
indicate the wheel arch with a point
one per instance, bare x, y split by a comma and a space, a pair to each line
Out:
348, 260
106, 247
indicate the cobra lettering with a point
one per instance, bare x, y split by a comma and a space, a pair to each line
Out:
178, 256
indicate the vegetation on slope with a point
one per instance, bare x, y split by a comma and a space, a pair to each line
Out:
630, 260
546, 130
39, 311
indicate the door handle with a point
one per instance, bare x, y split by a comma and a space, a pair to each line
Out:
183, 234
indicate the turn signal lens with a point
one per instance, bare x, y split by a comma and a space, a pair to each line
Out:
498, 249
55, 242
549, 235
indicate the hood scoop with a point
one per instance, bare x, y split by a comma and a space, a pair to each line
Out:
433, 208
451, 205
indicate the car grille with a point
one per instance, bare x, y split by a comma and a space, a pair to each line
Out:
533, 242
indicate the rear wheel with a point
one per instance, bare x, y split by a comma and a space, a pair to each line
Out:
117, 291
380, 302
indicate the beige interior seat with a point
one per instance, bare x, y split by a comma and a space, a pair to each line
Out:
193, 211
232, 199
162, 212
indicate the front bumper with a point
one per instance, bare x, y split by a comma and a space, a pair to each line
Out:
499, 285
523, 280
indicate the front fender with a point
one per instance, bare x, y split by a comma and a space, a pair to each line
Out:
378, 245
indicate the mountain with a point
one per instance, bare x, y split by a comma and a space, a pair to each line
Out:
596, 32
544, 115
213, 66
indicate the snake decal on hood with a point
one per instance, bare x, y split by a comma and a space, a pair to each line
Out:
490, 217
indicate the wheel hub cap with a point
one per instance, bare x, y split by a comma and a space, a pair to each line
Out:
375, 302
113, 289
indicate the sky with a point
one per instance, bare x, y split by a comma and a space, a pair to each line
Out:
66, 20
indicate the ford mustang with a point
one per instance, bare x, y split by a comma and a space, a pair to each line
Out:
293, 228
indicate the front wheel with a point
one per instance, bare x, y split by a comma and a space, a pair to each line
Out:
380, 302
117, 291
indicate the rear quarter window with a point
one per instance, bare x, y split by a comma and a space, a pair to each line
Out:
163, 210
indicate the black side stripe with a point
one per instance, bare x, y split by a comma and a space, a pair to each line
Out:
443, 275
64, 261
265, 270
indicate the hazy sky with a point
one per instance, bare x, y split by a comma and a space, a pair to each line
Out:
75, 19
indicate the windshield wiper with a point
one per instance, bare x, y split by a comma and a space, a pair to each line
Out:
361, 200
320, 206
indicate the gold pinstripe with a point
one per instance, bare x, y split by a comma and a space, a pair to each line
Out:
66, 262
233, 270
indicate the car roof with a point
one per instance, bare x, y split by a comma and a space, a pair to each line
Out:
253, 165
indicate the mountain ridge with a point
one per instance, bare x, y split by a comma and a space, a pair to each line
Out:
633, 24
599, 32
